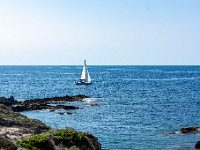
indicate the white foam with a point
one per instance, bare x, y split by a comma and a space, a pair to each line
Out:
177, 132
89, 100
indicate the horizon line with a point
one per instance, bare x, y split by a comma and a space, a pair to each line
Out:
101, 65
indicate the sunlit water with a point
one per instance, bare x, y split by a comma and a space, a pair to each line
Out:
140, 107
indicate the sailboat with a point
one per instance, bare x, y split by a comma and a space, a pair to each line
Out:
85, 76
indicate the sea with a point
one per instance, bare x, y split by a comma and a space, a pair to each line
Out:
135, 107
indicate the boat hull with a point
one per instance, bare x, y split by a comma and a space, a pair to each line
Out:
83, 83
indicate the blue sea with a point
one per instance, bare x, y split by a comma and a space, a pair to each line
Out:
139, 107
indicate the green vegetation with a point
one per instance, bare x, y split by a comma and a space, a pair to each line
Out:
65, 137
36, 142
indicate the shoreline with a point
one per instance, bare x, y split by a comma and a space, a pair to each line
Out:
15, 131
44, 103
19, 131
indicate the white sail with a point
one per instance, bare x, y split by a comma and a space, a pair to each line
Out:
84, 71
85, 76
89, 78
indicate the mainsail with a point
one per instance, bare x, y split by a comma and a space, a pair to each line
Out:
85, 76
84, 72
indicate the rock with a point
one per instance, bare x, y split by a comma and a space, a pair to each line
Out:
10, 119
39, 104
7, 101
190, 130
51, 110
45, 103
61, 139
80, 97
91, 142
30, 107
20, 132
11, 99
69, 113
55, 100
6, 144
197, 145
94, 105
66, 107
61, 113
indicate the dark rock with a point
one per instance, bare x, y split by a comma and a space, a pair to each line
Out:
30, 107
6, 144
51, 110
39, 104
54, 100
91, 142
4, 109
9, 118
61, 113
66, 107
190, 130
94, 105
7, 101
69, 113
197, 145
11, 99
80, 97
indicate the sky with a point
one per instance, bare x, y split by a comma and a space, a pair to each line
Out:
104, 32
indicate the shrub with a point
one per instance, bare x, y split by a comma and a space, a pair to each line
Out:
37, 142
63, 137
67, 137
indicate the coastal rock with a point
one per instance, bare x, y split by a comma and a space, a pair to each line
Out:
5, 144
54, 100
94, 105
197, 145
30, 107
7, 101
60, 140
20, 132
91, 142
80, 97
190, 130
16, 125
46, 103
61, 113
69, 113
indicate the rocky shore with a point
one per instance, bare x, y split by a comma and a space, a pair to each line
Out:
38, 104
19, 132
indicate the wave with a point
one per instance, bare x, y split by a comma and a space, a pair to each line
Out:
112, 69
165, 79
14, 74
65, 67
89, 100
172, 79
68, 73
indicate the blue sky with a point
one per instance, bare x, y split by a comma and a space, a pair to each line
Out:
105, 32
